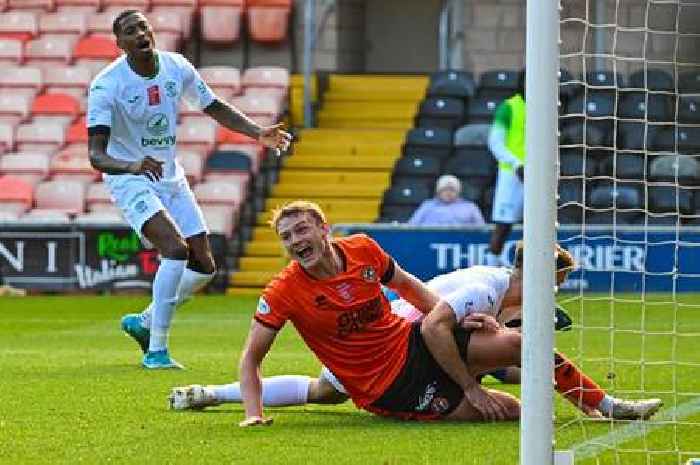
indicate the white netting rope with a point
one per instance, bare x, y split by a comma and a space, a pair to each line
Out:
599, 36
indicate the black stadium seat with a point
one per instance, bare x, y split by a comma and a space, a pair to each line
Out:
396, 213
608, 194
471, 163
689, 82
422, 168
472, 136
624, 165
406, 194
641, 105
684, 169
663, 199
598, 133
571, 163
459, 84
569, 87
482, 108
656, 80
429, 141
689, 109
689, 139
503, 80
604, 79
229, 160
441, 112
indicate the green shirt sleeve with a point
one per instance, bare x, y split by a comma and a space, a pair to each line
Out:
503, 116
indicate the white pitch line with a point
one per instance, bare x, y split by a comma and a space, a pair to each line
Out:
595, 446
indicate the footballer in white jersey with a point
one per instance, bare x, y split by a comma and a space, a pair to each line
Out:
132, 135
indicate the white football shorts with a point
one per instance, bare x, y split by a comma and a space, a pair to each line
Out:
330, 377
139, 199
508, 198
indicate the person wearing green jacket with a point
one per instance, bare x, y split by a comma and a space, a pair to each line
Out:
507, 144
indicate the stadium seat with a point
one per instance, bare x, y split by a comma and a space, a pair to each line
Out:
573, 162
689, 109
96, 47
7, 137
570, 201
218, 193
168, 41
406, 195
7, 216
429, 141
653, 80
681, 169
253, 151
630, 135
268, 20
65, 196
482, 108
396, 213
97, 196
163, 20
102, 217
266, 78
642, 105
226, 136
11, 52
471, 163
229, 161
688, 140
40, 136
14, 107
20, 25
500, 80
197, 136
220, 20
192, 164
44, 216
101, 23
604, 79
668, 199
77, 132
185, 9
596, 103
224, 80
472, 135
72, 23
220, 219
441, 112
70, 167
49, 50
263, 109
624, 165
420, 167
64, 78
47, 5
689, 82
16, 195
569, 86
663, 138
21, 77
457, 84
56, 105
119, 5
80, 6
610, 194
32, 168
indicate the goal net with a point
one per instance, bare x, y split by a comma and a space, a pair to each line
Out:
629, 210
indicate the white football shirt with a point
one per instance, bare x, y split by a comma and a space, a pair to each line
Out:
142, 112
478, 289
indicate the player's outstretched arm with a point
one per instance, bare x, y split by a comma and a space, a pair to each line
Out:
230, 117
260, 339
413, 290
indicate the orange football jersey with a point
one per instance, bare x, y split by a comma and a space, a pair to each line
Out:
345, 320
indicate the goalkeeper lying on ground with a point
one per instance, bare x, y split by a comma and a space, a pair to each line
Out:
491, 299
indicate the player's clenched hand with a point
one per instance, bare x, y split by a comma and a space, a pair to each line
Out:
149, 167
276, 138
486, 404
480, 321
255, 421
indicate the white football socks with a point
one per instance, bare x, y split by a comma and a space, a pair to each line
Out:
277, 391
165, 286
191, 282
606, 405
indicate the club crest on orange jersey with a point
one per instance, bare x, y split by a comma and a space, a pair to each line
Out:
369, 274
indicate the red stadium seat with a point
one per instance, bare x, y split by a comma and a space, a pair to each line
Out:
46, 5
268, 20
49, 48
101, 23
221, 20
3, 5
56, 104
46, 137
120, 5
185, 12
16, 195
226, 136
64, 196
224, 80
165, 21
96, 47
193, 165
192, 4
82, 6
21, 25
198, 135
97, 196
77, 132
221, 219
15, 107
21, 76
71, 167
218, 193
32, 168
7, 137
11, 52
67, 22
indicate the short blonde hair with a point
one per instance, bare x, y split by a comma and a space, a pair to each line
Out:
294, 208
565, 262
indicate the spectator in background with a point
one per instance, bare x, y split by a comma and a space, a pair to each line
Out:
507, 144
447, 208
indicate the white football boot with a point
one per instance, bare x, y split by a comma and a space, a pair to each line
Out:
634, 409
192, 397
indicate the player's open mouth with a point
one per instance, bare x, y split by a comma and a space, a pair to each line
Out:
144, 45
304, 253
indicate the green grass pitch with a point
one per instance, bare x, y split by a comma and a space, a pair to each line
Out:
72, 391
